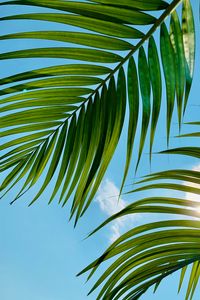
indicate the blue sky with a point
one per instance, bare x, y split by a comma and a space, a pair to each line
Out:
40, 250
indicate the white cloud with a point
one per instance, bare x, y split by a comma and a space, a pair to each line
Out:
191, 196
107, 198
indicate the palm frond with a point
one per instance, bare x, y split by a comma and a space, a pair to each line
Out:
149, 253
129, 277
146, 255
57, 100
67, 120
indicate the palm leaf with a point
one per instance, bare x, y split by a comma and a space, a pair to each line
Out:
56, 109
50, 97
137, 274
143, 256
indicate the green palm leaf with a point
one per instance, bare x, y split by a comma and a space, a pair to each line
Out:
67, 119
134, 281
51, 88
146, 257
87, 12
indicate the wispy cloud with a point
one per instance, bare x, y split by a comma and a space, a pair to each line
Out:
191, 196
107, 198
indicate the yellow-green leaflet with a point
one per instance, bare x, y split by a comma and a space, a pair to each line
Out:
97, 25
29, 128
192, 281
47, 93
75, 150
156, 83
143, 5
182, 277
190, 151
70, 69
66, 53
66, 156
133, 100
106, 12
145, 88
177, 43
25, 139
173, 186
188, 30
169, 73
92, 148
90, 40
53, 82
